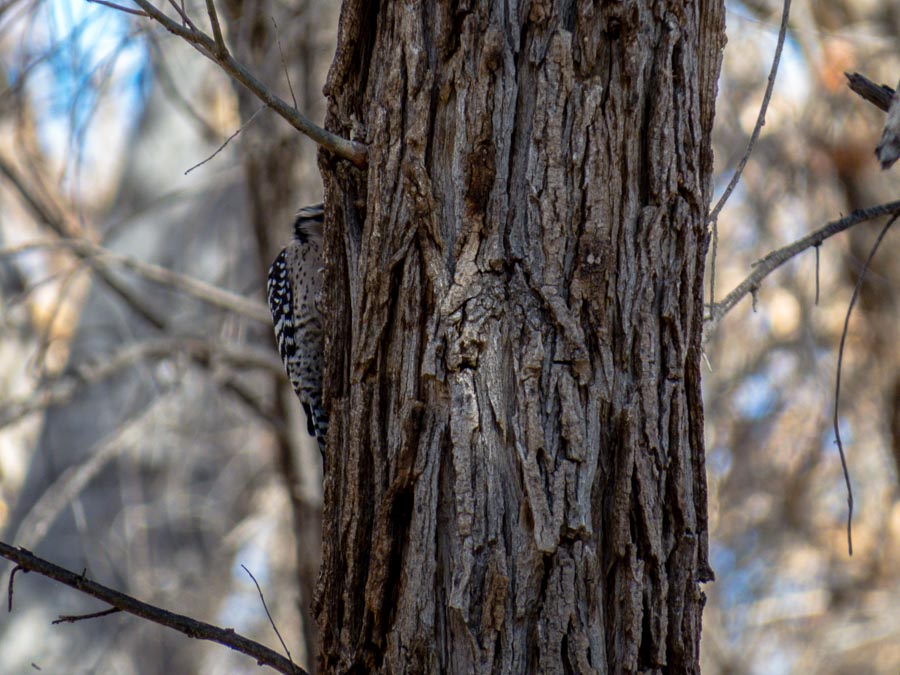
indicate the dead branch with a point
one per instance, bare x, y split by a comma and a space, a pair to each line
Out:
221, 49
287, 75
199, 630
884, 98
878, 95
777, 258
119, 8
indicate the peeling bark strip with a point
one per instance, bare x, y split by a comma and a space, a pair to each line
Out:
515, 478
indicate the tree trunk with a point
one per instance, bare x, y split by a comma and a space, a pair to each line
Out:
515, 474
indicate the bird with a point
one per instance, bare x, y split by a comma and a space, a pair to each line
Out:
294, 290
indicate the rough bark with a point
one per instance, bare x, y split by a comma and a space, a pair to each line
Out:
515, 478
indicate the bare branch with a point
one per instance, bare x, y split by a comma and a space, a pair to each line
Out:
837, 385
342, 147
66, 488
777, 258
760, 121
212, 295
64, 388
183, 624
9, 590
167, 81
53, 216
185, 19
221, 49
818, 248
208, 293
284, 67
120, 8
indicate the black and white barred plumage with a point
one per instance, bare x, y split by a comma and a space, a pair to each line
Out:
294, 290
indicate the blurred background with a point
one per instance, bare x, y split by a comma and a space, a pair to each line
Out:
146, 432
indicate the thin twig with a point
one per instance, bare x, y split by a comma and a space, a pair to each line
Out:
818, 248
72, 618
777, 258
185, 19
221, 49
227, 140
183, 624
284, 67
837, 384
112, 5
760, 121
342, 147
268, 614
9, 589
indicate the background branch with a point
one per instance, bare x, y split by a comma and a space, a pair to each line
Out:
49, 212
205, 292
204, 352
342, 147
68, 485
183, 624
777, 258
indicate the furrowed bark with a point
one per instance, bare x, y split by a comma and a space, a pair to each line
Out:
515, 478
